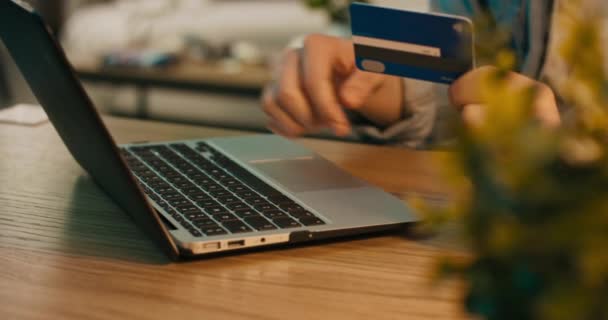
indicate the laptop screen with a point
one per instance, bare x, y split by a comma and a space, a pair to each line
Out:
44, 66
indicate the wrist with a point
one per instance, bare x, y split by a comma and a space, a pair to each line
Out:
385, 106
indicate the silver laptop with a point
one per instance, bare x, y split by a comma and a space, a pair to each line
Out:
199, 197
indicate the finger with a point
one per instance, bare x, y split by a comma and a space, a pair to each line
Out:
320, 60
466, 89
289, 95
473, 115
358, 87
279, 119
545, 107
273, 127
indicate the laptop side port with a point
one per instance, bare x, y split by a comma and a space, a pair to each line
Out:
236, 244
211, 246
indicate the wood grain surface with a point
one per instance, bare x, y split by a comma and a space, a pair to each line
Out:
68, 252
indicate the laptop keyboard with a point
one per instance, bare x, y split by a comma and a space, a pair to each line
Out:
209, 194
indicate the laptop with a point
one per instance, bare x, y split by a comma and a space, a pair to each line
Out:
198, 197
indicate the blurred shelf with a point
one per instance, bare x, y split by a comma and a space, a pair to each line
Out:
216, 78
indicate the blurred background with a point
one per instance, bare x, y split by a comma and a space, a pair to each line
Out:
193, 61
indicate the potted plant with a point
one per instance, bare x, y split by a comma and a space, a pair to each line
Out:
535, 208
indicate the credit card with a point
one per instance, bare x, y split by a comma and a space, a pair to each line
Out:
426, 46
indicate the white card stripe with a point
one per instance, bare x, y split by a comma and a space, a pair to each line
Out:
399, 46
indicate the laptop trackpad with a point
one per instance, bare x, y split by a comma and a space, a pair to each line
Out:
310, 174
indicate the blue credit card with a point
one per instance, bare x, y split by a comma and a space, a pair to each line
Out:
425, 46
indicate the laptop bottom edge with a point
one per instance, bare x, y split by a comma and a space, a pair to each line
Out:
301, 238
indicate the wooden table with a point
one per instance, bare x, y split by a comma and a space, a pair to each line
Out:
68, 252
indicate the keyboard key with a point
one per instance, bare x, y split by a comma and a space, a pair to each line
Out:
203, 180
171, 195
152, 196
228, 199
186, 167
191, 190
180, 201
291, 207
302, 214
202, 163
204, 223
265, 207
179, 146
184, 223
163, 204
237, 206
280, 200
221, 176
215, 210
224, 217
162, 187
230, 182
212, 187
145, 174
195, 232
239, 189
286, 222
177, 180
256, 201
236, 226
185, 185
311, 221
173, 213
246, 213
247, 194
219, 192
213, 230
260, 223
137, 167
190, 172
168, 172
199, 197
207, 203
187, 209
196, 216
151, 180
274, 214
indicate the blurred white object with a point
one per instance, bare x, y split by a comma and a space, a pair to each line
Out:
164, 24
23, 114
247, 52
415, 5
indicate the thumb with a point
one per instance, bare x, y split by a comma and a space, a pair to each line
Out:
358, 87
473, 115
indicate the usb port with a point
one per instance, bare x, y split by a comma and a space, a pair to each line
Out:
236, 243
211, 245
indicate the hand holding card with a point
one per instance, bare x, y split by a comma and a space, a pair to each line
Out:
425, 46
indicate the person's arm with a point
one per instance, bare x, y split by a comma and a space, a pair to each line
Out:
424, 108
318, 86
316, 83
416, 120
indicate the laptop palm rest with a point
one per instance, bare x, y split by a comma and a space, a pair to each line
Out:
306, 174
